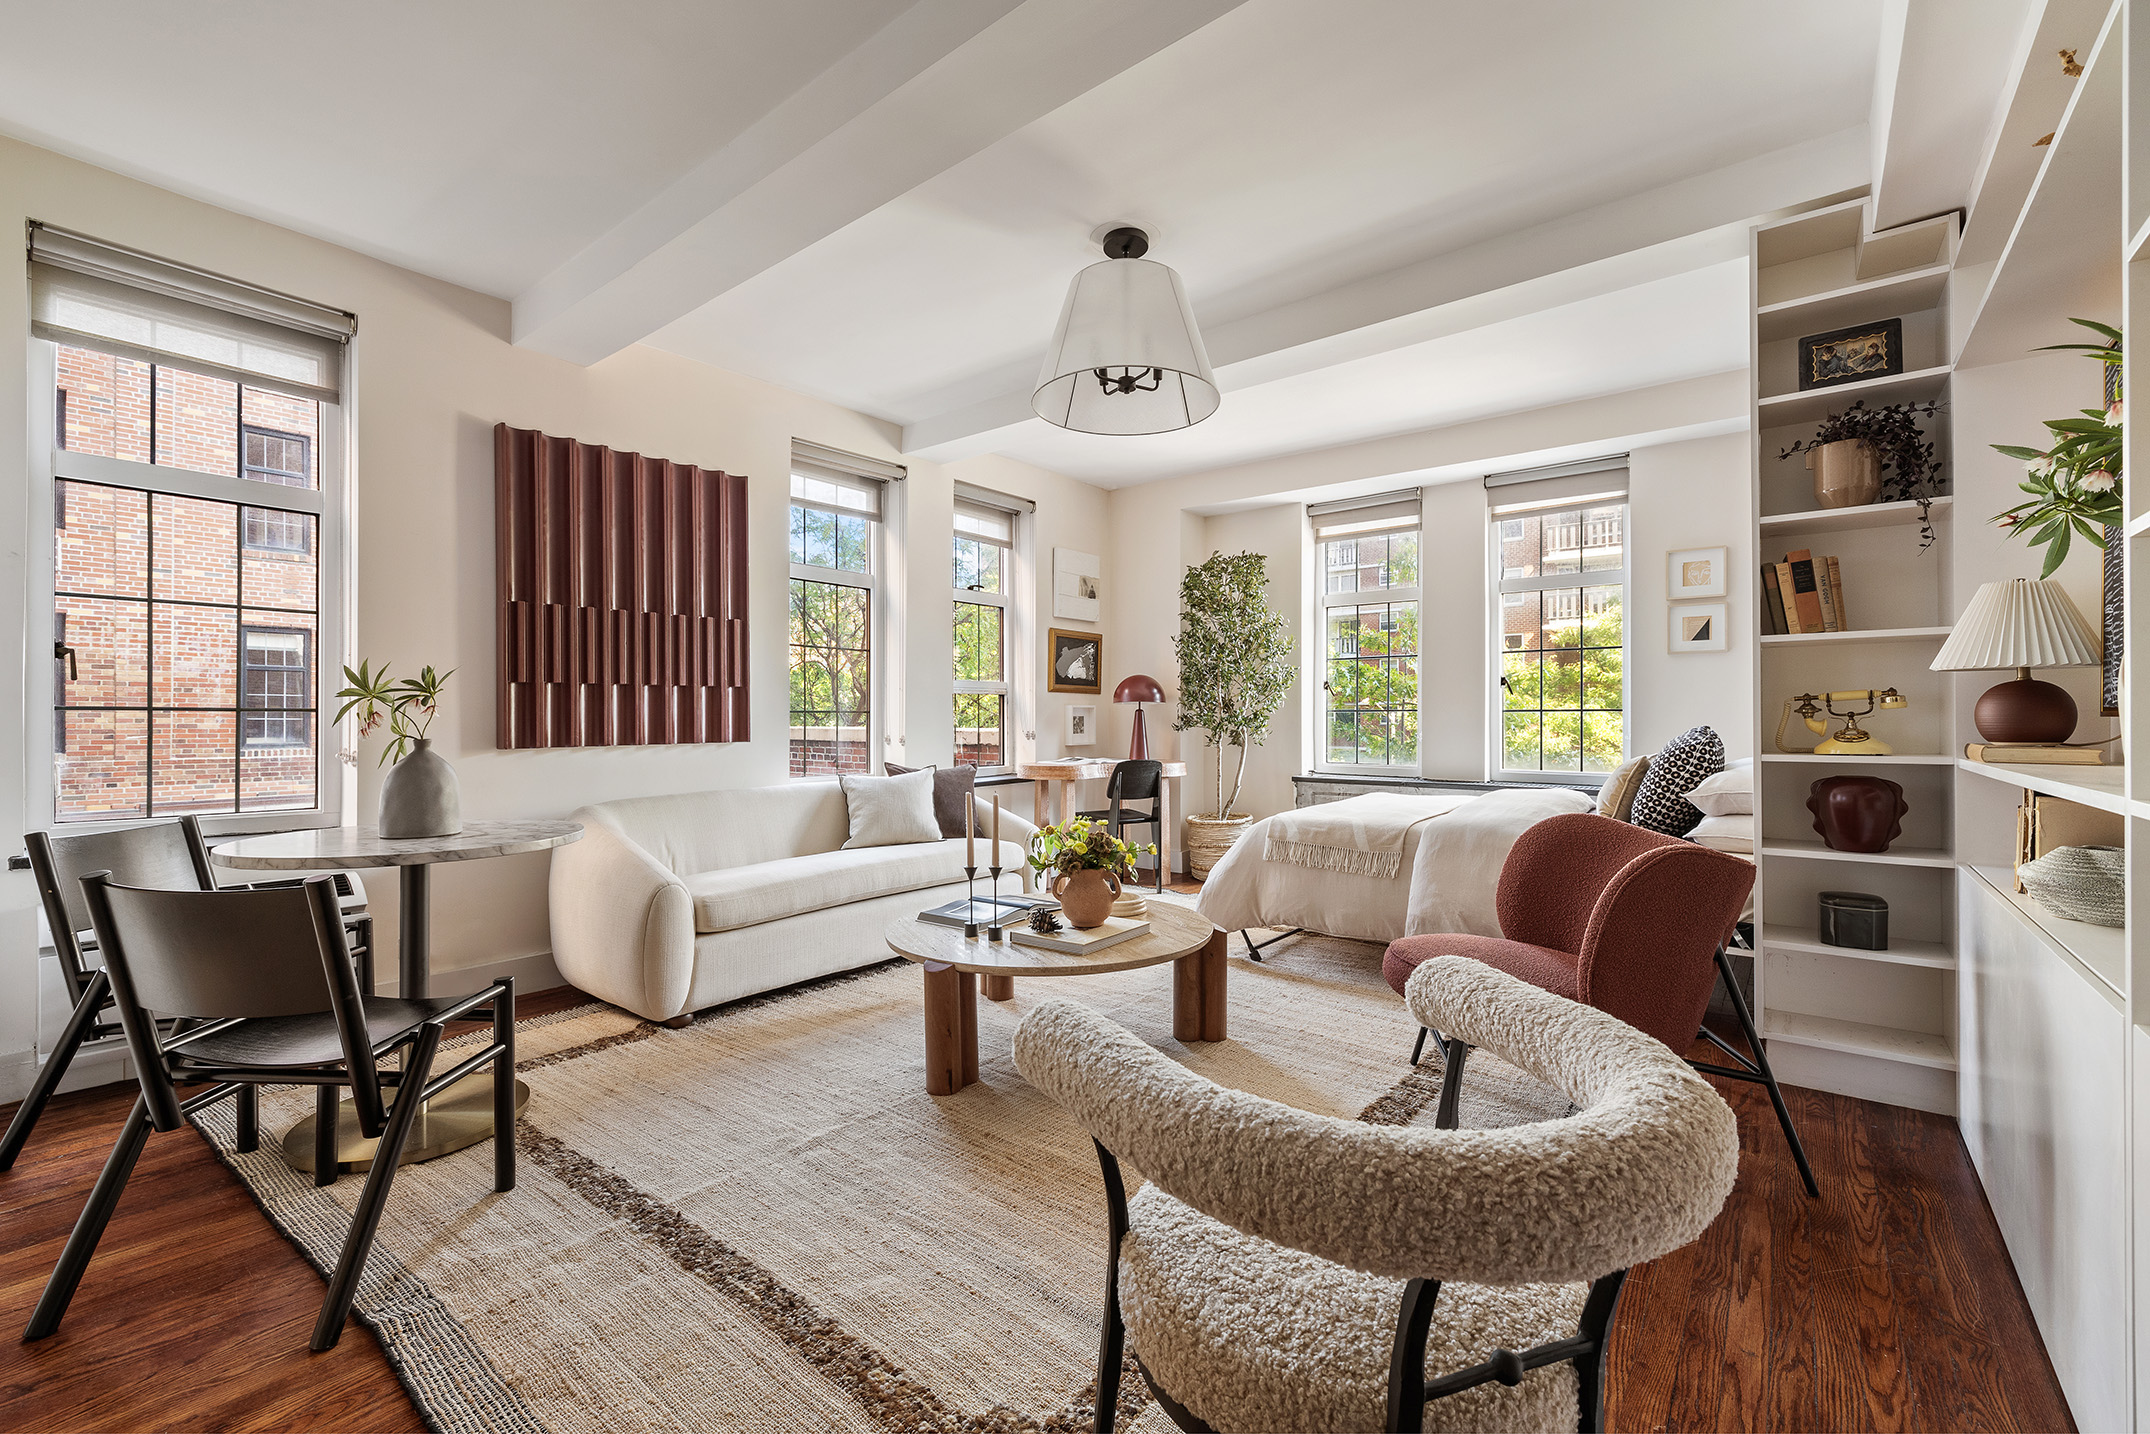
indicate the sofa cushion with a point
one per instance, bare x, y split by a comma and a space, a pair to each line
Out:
889, 811
952, 789
739, 896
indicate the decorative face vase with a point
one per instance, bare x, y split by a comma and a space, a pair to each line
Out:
1862, 814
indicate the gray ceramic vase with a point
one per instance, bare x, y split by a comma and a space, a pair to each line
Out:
420, 797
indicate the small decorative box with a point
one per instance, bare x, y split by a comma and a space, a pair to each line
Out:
1854, 919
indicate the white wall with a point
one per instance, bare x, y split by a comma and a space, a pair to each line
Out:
433, 372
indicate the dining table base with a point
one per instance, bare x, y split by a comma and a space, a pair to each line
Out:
459, 1117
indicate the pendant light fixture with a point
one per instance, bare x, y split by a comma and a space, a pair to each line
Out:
1127, 357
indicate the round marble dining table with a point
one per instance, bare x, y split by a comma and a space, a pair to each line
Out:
461, 1115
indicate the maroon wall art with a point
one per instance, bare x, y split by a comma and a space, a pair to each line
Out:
623, 596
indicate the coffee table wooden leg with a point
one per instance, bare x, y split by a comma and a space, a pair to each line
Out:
1198, 993
951, 1003
997, 988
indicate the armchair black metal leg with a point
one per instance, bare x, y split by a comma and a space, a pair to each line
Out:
1418, 1047
1449, 1111
326, 1110
1769, 1077
248, 1109
49, 1075
1407, 1363
1112, 1332
504, 1086
343, 1285
90, 1227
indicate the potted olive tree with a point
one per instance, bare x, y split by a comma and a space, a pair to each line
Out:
1235, 667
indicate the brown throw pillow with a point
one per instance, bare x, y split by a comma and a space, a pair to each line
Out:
1616, 799
952, 788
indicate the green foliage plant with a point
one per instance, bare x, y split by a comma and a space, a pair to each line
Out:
2075, 483
1078, 845
408, 706
1235, 659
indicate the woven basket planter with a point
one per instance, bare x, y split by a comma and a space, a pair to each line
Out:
2079, 883
1209, 838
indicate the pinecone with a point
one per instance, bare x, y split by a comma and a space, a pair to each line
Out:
1044, 921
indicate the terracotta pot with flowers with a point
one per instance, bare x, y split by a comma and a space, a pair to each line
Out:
1085, 861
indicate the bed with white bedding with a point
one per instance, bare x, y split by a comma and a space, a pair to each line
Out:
1453, 845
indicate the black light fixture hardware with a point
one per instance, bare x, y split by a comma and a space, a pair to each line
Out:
1129, 380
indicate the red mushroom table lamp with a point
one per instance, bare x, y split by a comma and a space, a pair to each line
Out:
1138, 690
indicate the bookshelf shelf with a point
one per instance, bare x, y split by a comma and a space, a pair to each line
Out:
2102, 787
1805, 941
1868, 634
2100, 950
1881, 298
1783, 409
1856, 1038
1894, 759
1895, 856
1845, 520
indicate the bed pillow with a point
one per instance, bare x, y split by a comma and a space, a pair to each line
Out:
1733, 834
952, 790
1616, 799
1679, 767
890, 811
1728, 794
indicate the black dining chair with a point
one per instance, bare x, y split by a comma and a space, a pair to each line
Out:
1135, 781
261, 987
169, 855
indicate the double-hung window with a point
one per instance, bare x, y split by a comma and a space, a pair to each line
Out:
1367, 602
837, 559
196, 554
983, 544
1559, 554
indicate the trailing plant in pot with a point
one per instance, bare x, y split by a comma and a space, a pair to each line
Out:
1235, 667
420, 797
1874, 455
1087, 863
2075, 483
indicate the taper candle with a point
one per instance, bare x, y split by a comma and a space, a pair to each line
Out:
996, 831
970, 836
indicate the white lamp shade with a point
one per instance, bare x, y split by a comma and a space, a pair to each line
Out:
1121, 315
2019, 622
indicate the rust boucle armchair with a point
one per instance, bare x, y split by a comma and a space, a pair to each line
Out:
1629, 921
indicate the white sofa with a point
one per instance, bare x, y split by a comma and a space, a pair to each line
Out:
672, 904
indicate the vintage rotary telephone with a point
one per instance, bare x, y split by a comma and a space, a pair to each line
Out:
1850, 740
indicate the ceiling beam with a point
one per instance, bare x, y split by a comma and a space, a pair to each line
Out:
939, 83
1941, 84
1679, 227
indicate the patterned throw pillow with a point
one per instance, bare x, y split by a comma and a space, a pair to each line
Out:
1679, 767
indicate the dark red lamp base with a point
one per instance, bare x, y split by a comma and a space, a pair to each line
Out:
2025, 710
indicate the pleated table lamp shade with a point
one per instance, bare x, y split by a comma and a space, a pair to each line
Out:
2021, 623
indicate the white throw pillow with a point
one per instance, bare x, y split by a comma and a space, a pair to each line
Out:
1730, 793
890, 811
1727, 833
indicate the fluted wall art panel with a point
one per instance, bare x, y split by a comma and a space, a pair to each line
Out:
623, 596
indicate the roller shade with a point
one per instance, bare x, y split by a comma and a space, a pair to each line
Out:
987, 498
84, 291
1373, 513
985, 524
1592, 480
805, 454
813, 486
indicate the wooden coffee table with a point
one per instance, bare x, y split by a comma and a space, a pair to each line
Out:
953, 964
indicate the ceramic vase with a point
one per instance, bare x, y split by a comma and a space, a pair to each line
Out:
1847, 473
1862, 814
1086, 897
420, 798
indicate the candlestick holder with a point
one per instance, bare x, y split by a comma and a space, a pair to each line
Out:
970, 903
992, 896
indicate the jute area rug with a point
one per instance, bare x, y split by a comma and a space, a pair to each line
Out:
763, 1222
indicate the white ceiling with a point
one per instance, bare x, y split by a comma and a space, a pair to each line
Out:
1390, 214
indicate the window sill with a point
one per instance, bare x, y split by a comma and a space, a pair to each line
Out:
1312, 785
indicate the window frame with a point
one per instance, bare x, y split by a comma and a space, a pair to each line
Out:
1502, 586
1008, 603
328, 503
1324, 601
882, 624
272, 476
306, 664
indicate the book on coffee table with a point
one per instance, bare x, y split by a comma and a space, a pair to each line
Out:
1075, 941
1013, 910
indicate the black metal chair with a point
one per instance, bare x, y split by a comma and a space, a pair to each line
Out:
1134, 782
166, 855
262, 985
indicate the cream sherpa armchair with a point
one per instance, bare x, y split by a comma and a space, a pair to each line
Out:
1285, 1270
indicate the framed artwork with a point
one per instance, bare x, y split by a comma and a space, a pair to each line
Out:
1075, 585
1874, 350
1082, 724
1694, 573
1698, 627
1078, 660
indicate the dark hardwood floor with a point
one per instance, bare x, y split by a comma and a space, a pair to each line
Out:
1888, 1304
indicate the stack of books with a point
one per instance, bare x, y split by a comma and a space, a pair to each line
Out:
2039, 754
1012, 909
1804, 593
1078, 941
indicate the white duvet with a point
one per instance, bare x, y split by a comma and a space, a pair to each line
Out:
1447, 881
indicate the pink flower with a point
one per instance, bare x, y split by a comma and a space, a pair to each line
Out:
2006, 520
2113, 413
2098, 482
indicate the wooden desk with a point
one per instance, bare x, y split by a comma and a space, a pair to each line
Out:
1055, 795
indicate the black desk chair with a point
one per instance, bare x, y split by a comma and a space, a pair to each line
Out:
263, 985
1134, 782
166, 855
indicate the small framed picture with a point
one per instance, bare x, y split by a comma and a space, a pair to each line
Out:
1082, 724
1694, 573
1874, 350
1698, 627
1078, 661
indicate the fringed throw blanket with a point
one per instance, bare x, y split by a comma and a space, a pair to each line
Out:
1360, 836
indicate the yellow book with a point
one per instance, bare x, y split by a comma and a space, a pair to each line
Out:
2041, 754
